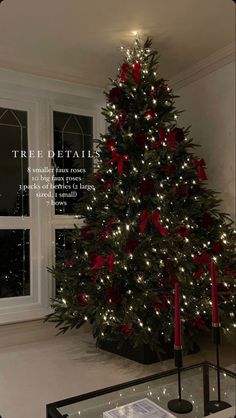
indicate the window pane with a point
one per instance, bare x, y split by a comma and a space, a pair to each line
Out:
73, 136
64, 243
64, 246
13, 171
14, 263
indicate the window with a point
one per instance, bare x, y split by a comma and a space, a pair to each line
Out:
73, 148
14, 266
14, 200
32, 232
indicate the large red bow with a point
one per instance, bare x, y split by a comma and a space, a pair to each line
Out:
202, 260
136, 72
199, 165
124, 68
170, 139
154, 217
169, 269
119, 159
99, 261
136, 68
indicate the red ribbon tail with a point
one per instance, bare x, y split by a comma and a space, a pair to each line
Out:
120, 166
110, 262
198, 273
163, 230
155, 219
99, 262
143, 221
201, 173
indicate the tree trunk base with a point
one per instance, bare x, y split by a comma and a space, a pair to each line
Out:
142, 354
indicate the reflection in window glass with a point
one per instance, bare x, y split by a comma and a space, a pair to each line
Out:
73, 147
15, 264
13, 171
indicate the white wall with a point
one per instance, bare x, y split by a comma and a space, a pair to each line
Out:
209, 104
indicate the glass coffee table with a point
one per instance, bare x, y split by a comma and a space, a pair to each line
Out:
198, 382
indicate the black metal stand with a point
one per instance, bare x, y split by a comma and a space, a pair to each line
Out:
217, 405
179, 405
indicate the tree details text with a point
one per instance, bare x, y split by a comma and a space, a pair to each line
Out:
53, 154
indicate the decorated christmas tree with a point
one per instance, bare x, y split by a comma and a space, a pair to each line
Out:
150, 221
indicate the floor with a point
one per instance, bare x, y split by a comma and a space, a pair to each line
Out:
38, 372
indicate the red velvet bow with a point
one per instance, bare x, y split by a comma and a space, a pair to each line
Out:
99, 261
199, 165
119, 159
136, 68
154, 217
169, 269
136, 72
202, 260
170, 139
124, 68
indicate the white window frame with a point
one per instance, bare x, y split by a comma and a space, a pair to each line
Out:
40, 97
67, 221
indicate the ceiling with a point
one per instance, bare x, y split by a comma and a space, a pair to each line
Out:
80, 41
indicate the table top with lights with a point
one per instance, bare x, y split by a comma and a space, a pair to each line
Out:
198, 385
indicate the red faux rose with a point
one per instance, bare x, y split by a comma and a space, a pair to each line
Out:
163, 283
149, 114
162, 87
162, 135
182, 231
156, 144
130, 245
204, 258
194, 189
115, 94
86, 233
197, 323
171, 142
103, 234
140, 139
93, 279
182, 190
114, 295
127, 329
69, 262
110, 144
97, 176
146, 187
207, 220
81, 299
107, 185
175, 136
178, 134
169, 169
217, 248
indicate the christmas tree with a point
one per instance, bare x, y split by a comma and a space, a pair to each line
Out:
150, 221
